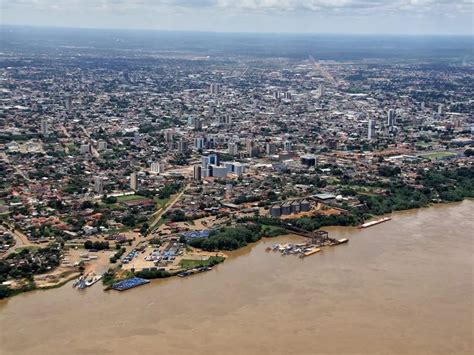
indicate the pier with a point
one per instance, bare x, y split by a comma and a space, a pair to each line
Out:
317, 238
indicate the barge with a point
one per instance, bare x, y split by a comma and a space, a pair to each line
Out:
129, 283
373, 223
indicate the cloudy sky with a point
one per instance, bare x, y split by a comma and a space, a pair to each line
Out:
315, 16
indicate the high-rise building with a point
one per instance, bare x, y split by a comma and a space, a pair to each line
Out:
269, 148
199, 143
440, 109
197, 172
197, 124
232, 148
182, 146
213, 159
249, 146
214, 89
44, 127
371, 129
287, 146
134, 181
321, 90
191, 120
391, 118
68, 102
204, 162
235, 168
169, 136
156, 168
98, 184
218, 171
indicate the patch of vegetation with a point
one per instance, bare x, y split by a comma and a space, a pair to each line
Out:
153, 274
117, 255
438, 155
229, 238
96, 245
127, 198
210, 262
273, 231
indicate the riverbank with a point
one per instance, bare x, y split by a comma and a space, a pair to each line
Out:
267, 230
384, 286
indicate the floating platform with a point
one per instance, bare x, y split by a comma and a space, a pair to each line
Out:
129, 283
373, 223
311, 252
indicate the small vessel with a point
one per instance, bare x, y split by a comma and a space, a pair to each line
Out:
77, 281
93, 280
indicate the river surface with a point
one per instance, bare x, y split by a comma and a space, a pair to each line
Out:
401, 287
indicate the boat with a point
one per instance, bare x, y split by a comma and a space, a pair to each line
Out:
373, 223
93, 280
77, 281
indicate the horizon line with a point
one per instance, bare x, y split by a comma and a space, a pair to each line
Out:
2, 25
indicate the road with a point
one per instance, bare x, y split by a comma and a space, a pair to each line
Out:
20, 238
170, 205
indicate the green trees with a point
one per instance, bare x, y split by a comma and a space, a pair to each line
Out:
388, 171
229, 238
117, 255
144, 228
169, 189
96, 245
109, 200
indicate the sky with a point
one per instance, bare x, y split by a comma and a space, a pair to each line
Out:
294, 16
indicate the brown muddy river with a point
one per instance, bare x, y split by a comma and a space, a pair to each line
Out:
401, 287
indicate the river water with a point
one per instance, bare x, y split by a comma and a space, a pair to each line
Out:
401, 287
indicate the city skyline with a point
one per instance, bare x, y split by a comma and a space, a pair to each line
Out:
413, 17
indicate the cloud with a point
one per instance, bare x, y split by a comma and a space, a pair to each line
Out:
237, 15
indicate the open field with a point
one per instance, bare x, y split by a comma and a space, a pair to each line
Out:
438, 155
127, 198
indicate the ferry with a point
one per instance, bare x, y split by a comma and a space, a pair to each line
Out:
373, 223
93, 280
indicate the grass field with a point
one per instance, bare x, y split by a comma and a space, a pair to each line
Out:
130, 198
190, 264
438, 155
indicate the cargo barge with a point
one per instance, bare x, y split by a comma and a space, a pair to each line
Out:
373, 223
129, 283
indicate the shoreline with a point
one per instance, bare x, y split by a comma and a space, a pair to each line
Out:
231, 253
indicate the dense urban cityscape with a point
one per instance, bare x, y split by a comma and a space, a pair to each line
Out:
116, 167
